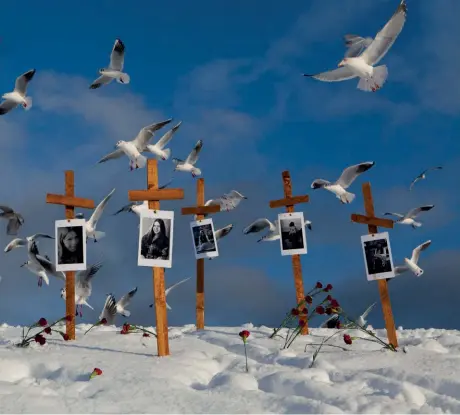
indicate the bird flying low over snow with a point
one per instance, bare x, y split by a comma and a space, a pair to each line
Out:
169, 289
273, 233
189, 163
135, 147
91, 224
356, 44
227, 202
344, 182
412, 263
409, 217
159, 148
422, 175
114, 71
15, 220
371, 77
18, 96
112, 307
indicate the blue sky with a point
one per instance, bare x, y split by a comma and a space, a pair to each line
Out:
232, 74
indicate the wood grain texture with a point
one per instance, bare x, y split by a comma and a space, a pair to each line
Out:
155, 194
200, 264
289, 201
366, 220
200, 210
70, 201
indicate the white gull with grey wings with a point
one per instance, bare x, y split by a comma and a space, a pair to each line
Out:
15, 219
409, 217
189, 164
18, 96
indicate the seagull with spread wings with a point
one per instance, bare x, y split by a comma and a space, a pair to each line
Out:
371, 77
409, 217
347, 177
412, 263
18, 96
159, 148
273, 233
28, 241
190, 161
139, 142
227, 201
114, 71
15, 220
112, 307
422, 175
168, 290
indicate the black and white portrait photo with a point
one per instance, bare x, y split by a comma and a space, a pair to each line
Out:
377, 256
292, 233
70, 245
204, 239
156, 238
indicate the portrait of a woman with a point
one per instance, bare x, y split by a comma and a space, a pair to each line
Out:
70, 245
155, 242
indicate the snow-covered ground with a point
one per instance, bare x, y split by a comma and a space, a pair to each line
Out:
206, 373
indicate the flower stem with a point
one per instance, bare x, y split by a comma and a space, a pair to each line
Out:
246, 356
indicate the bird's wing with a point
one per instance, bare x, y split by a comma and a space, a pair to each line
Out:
400, 269
414, 212
99, 209
164, 186
356, 44
7, 106
13, 226
319, 183
41, 236
193, 156
259, 225
394, 214
332, 317
6, 209
368, 310
125, 208
386, 37
416, 252
433, 168
220, 233
146, 133
113, 155
168, 290
86, 275
102, 80
110, 309
15, 242
340, 74
351, 173
22, 81
49, 267
124, 301
415, 181
117, 56
167, 137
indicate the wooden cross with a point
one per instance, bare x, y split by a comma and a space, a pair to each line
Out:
372, 222
289, 201
70, 202
200, 210
154, 195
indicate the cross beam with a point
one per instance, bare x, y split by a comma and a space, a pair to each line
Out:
372, 222
289, 201
153, 195
70, 202
200, 210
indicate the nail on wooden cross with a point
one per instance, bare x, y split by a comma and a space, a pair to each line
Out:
289, 201
200, 210
154, 195
70, 202
372, 222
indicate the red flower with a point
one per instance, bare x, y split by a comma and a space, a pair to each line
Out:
48, 330
65, 336
146, 335
295, 312
319, 285
329, 298
305, 310
244, 334
42, 322
320, 309
328, 288
347, 339
302, 323
40, 339
308, 299
97, 371
334, 303
103, 321
68, 318
328, 311
338, 324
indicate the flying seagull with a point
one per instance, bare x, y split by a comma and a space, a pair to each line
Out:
18, 96
412, 263
83, 287
114, 71
91, 224
41, 265
371, 77
139, 142
356, 44
422, 175
168, 290
15, 220
189, 163
112, 307
408, 218
159, 148
29, 241
344, 182
227, 201
273, 233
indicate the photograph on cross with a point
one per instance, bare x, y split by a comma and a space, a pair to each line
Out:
377, 256
292, 233
204, 239
70, 244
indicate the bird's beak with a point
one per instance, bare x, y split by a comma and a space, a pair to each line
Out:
341, 63
23, 264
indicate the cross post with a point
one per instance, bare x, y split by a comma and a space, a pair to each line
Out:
289, 201
200, 210
372, 222
70, 202
154, 195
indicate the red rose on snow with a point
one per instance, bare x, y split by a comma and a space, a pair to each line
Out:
146, 335
347, 339
244, 334
48, 330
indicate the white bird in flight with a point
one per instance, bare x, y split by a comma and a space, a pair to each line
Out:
112, 308
91, 224
159, 148
15, 220
27, 241
18, 96
273, 233
114, 71
189, 163
227, 201
422, 175
412, 263
83, 287
371, 77
409, 217
168, 290
139, 142
347, 177
356, 44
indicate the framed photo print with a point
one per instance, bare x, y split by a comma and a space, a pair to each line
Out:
70, 237
204, 239
292, 233
156, 238
377, 256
